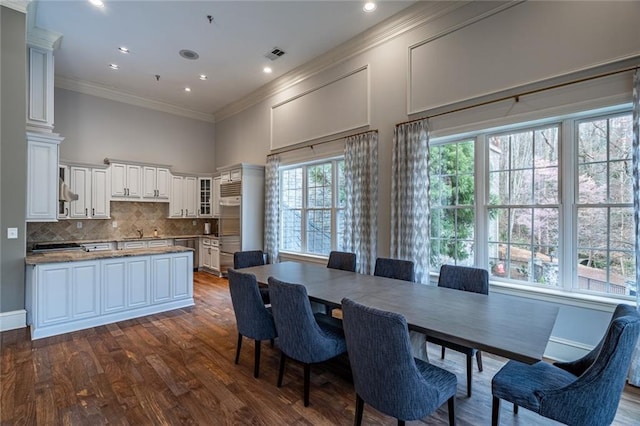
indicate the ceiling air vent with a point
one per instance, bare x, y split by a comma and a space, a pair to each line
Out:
274, 54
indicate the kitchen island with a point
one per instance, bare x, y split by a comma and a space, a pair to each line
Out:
73, 290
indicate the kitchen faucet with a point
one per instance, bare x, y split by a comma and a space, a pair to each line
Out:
140, 233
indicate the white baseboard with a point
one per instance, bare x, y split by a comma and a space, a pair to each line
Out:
559, 349
12, 320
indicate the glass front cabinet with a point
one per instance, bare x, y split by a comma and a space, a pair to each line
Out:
205, 196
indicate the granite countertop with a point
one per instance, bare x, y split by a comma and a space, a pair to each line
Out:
145, 238
80, 255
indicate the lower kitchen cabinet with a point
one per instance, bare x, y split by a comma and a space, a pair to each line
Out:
209, 255
70, 296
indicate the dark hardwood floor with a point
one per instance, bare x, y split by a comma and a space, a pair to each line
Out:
177, 368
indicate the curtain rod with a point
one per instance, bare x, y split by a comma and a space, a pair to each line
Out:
311, 145
519, 95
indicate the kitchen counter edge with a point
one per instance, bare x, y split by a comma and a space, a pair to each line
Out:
81, 255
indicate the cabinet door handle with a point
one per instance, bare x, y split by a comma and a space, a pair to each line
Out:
93, 212
181, 212
86, 212
66, 211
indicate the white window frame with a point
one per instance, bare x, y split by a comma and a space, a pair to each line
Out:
567, 205
304, 253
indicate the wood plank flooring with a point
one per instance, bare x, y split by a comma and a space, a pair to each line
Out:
177, 368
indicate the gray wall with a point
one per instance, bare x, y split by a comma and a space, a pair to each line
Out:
97, 128
13, 157
245, 136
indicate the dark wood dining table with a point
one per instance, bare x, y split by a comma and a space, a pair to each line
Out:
496, 323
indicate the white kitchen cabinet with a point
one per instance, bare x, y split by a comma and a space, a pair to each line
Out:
206, 196
69, 296
126, 283
215, 258
216, 197
63, 180
135, 244
71, 293
126, 181
156, 183
42, 177
209, 254
184, 197
91, 187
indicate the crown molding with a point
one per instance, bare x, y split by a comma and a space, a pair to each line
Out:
19, 5
402, 22
40, 37
93, 89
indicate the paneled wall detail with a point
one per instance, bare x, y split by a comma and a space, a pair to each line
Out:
338, 106
478, 61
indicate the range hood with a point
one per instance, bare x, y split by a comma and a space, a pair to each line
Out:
64, 193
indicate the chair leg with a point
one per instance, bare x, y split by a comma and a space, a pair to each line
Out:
272, 342
238, 346
256, 365
283, 358
400, 422
452, 410
495, 411
442, 354
469, 375
479, 360
515, 409
307, 383
359, 410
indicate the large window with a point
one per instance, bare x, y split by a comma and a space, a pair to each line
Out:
312, 206
555, 204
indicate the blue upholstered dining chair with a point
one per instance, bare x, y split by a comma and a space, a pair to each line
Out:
385, 374
253, 319
247, 259
467, 279
584, 392
300, 336
395, 268
342, 260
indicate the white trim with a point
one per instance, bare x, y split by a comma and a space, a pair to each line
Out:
559, 349
56, 329
13, 320
94, 89
404, 21
18, 5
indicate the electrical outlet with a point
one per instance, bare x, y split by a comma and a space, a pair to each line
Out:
12, 233
79, 225
114, 224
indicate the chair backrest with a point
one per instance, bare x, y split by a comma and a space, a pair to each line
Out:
592, 399
342, 260
247, 259
252, 318
394, 268
464, 278
299, 335
385, 374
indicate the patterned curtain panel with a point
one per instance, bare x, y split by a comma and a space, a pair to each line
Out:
272, 207
634, 372
410, 196
361, 199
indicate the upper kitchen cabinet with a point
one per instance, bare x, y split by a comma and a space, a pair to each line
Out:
126, 181
91, 187
42, 176
216, 197
184, 197
206, 196
232, 175
156, 182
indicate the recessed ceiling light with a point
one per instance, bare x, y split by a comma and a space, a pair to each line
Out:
123, 49
187, 89
267, 70
369, 6
203, 77
97, 3
114, 66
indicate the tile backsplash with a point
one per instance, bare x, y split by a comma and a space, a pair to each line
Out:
129, 216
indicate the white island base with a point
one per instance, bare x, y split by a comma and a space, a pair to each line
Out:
68, 296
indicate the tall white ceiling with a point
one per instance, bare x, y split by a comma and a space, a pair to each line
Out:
231, 48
